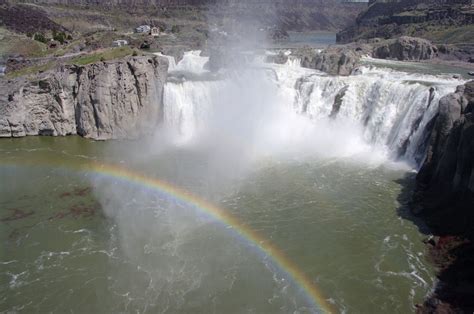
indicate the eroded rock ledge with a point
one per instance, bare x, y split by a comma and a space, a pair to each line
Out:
344, 59
107, 100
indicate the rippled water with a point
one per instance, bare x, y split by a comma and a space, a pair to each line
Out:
79, 242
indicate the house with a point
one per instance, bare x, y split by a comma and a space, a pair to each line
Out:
155, 31
143, 29
119, 43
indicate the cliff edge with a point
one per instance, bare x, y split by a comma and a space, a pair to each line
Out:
106, 100
444, 199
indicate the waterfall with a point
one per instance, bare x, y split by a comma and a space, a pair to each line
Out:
379, 108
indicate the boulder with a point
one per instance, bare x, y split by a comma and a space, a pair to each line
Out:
405, 49
335, 60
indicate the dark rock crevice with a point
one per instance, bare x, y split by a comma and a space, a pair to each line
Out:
136, 82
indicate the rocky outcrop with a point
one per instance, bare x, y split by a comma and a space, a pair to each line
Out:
405, 48
106, 100
335, 60
343, 59
444, 199
446, 178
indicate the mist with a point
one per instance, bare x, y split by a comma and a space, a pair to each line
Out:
228, 115
218, 126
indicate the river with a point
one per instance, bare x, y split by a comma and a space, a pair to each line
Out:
253, 197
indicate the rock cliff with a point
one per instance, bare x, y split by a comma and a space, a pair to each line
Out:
446, 178
335, 60
106, 100
444, 199
446, 21
405, 48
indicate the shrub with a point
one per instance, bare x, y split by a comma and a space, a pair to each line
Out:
61, 36
40, 37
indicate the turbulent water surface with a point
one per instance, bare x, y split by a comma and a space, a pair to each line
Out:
304, 159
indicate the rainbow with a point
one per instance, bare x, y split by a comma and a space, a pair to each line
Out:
219, 214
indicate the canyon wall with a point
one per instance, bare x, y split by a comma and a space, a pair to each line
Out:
445, 194
105, 100
442, 21
299, 15
444, 199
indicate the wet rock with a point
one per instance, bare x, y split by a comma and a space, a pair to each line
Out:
444, 198
223, 57
442, 155
338, 102
280, 58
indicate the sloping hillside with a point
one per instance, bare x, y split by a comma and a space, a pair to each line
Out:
447, 22
295, 15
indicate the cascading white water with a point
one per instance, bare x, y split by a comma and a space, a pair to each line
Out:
273, 105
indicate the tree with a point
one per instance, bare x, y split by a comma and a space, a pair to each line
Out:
61, 36
40, 37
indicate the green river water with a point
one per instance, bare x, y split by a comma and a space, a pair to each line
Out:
78, 242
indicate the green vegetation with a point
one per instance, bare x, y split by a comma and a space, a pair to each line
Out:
13, 43
454, 35
109, 54
59, 36
40, 37
30, 70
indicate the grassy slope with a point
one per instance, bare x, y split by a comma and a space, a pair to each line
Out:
453, 35
30, 70
14, 43
108, 54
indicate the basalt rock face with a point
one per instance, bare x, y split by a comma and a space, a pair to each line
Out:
444, 198
405, 48
446, 178
106, 100
335, 60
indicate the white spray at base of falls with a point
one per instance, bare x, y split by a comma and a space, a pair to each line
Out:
270, 109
